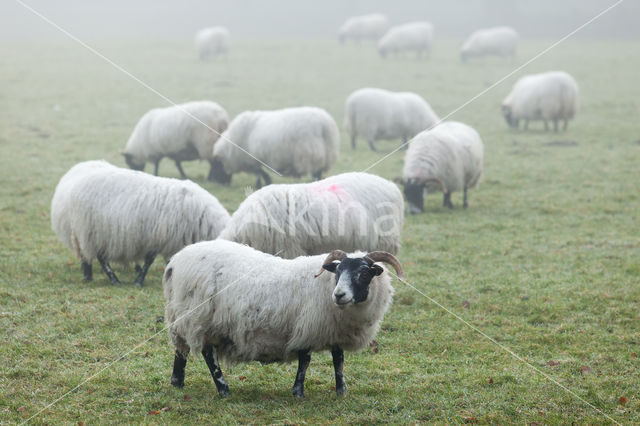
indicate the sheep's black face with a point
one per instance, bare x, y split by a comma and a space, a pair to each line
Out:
415, 196
217, 172
133, 165
353, 277
508, 116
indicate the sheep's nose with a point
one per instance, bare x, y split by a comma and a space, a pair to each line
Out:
339, 295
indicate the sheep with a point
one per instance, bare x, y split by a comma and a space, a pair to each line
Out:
182, 132
233, 303
354, 211
114, 214
496, 41
380, 114
211, 42
546, 96
413, 36
293, 141
448, 158
365, 27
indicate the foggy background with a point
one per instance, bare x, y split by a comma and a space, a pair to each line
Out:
248, 19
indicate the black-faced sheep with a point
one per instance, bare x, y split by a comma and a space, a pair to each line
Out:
355, 211
364, 27
378, 114
547, 96
182, 132
113, 214
411, 37
292, 141
496, 41
447, 158
236, 304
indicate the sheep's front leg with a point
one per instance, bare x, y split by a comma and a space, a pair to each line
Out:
156, 165
87, 271
142, 273
208, 352
107, 270
179, 166
303, 363
338, 361
353, 141
316, 176
555, 125
465, 200
372, 145
179, 363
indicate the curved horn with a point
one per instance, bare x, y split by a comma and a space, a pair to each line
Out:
426, 180
334, 255
383, 256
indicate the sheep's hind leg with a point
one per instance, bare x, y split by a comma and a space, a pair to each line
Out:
107, 270
265, 176
209, 355
446, 200
465, 200
142, 272
316, 176
87, 271
338, 360
179, 363
353, 141
156, 165
372, 145
303, 363
555, 125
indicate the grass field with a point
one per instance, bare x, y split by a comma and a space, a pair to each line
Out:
546, 260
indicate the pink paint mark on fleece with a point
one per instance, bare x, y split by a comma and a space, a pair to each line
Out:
333, 189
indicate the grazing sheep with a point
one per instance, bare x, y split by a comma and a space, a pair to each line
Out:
378, 114
234, 303
497, 41
113, 214
364, 27
181, 132
293, 141
355, 211
212, 42
413, 36
448, 158
550, 95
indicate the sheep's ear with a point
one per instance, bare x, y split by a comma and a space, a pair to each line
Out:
331, 267
377, 269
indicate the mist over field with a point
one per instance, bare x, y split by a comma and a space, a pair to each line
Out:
149, 19
520, 303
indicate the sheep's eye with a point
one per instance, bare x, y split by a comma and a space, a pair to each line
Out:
365, 274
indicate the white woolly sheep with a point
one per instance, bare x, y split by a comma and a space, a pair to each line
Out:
114, 214
293, 141
413, 36
448, 158
496, 41
364, 27
211, 42
550, 95
233, 303
354, 211
376, 114
181, 132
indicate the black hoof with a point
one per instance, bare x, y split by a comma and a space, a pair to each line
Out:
177, 382
341, 391
298, 392
224, 392
87, 279
115, 282
138, 284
